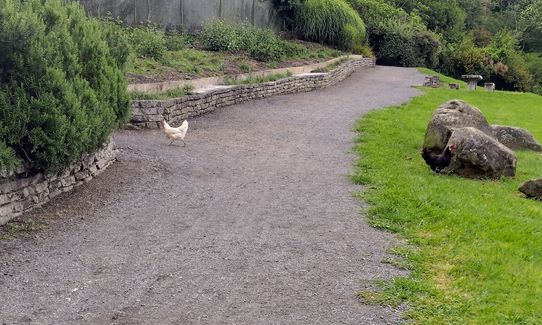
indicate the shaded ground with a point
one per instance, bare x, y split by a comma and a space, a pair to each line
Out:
252, 223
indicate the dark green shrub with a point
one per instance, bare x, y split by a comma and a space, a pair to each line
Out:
465, 58
330, 21
374, 12
534, 64
62, 91
285, 12
397, 37
399, 44
505, 49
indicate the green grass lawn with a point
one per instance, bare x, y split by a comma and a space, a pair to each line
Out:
474, 247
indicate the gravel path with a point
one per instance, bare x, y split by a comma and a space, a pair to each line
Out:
252, 223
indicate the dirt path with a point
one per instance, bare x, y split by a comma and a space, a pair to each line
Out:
252, 223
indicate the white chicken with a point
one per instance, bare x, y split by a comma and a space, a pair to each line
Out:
175, 133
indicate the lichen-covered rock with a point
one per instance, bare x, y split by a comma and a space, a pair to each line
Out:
450, 116
515, 138
478, 155
533, 189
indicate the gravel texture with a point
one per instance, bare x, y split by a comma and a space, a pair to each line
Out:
253, 222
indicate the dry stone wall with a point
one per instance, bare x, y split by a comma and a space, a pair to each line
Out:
148, 113
21, 192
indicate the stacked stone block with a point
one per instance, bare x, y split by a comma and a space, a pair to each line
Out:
22, 191
148, 113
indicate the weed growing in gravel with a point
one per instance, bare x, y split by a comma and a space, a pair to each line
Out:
14, 229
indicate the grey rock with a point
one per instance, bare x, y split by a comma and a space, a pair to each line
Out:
533, 189
450, 116
480, 156
515, 138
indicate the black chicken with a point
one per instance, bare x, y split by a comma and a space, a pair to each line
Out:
439, 162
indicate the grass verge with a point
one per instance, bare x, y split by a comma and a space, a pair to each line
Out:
331, 66
168, 94
257, 79
476, 246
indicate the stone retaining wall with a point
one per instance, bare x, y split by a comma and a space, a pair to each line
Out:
148, 113
20, 193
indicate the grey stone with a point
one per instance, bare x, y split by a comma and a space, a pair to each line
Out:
532, 189
68, 181
432, 81
450, 116
515, 138
101, 163
480, 156
6, 210
489, 87
82, 175
4, 199
54, 193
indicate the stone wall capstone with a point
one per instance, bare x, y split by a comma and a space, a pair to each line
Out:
20, 192
148, 113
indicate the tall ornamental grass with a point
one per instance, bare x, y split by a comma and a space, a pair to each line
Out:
332, 22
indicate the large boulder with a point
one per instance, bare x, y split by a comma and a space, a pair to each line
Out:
533, 189
450, 116
477, 155
515, 138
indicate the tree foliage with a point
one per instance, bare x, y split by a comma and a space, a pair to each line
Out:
489, 37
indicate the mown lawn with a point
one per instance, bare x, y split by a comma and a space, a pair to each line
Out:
475, 247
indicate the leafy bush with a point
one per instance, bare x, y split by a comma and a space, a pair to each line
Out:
330, 21
259, 43
399, 44
220, 35
505, 49
148, 41
398, 38
262, 44
534, 64
501, 62
465, 58
62, 91
375, 12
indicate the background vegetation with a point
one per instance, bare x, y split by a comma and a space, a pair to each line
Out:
476, 249
219, 48
501, 40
